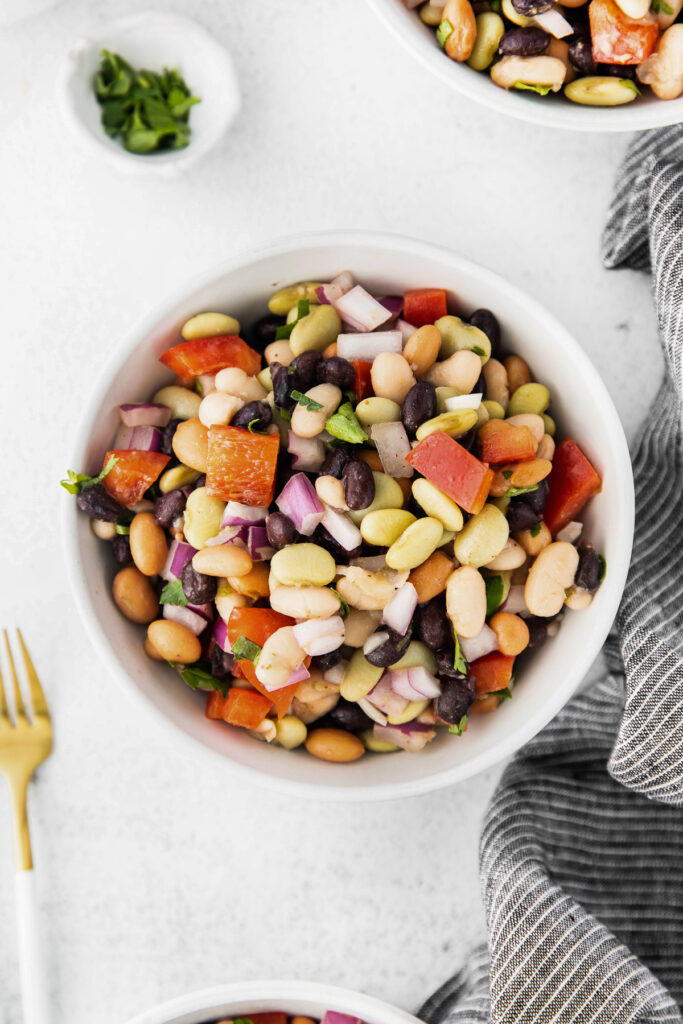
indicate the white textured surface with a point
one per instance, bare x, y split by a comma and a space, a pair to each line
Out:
158, 875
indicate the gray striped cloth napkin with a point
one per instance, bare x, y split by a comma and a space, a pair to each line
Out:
582, 848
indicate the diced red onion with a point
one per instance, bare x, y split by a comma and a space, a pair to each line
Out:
477, 646
360, 309
257, 544
464, 402
238, 535
220, 635
146, 439
297, 676
207, 383
570, 533
144, 414
237, 514
372, 712
339, 526
298, 500
394, 303
415, 684
308, 452
332, 1017
186, 617
407, 330
393, 445
515, 601
399, 612
372, 563
336, 673
382, 696
179, 554
320, 636
408, 739
122, 438
365, 347
554, 23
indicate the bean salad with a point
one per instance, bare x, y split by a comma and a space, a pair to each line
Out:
599, 52
278, 1017
351, 529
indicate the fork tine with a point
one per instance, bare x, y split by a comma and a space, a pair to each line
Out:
19, 709
4, 714
37, 696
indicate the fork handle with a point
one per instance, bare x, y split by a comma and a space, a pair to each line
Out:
31, 961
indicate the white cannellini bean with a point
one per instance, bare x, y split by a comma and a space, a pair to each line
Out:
234, 381
550, 576
466, 601
279, 657
218, 408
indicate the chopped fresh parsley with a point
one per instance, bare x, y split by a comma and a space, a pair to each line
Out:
542, 90
660, 7
478, 350
198, 386
494, 594
507, 473
459, 663
535, 530
198, 678
443, 32
343, 606
250, 426
603, 568
173, 594
122, 529
243, 648
303, 308
505, 694
458, 730
344, 425
308, 403
627, 82
512, 492
77, 482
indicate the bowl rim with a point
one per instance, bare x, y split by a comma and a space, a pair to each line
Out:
369, 1008
572, 117
166, 164
616, 577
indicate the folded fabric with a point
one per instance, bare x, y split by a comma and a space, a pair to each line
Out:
582, 848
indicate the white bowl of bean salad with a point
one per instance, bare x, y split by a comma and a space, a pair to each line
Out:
350, 562
589, 65
275, 1002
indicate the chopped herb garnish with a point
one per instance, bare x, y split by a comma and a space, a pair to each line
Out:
285, 413
505, 694
198, 386
343, 606
603, 568
77, 482
242, 1020
458, 730
308, 403
344, 425
535, 530
627, 82
542, 90
661, 7
250, 426
494, 594
198, 678
512, 492
459, 663
122, 529
173, 594
478, 350
443, 32
507, 473
285, 330
496, 6
243, 648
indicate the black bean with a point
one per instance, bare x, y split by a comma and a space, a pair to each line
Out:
359, 485
337, 460
392, 648
120, 549
529, 8
617, 70
470, 439
521, 516
259, 411
444, 660
222, 664
588, 571
280, 530
537, 499
538, 632
282, 386
303, 369
198, 588
485, 320
326, 540
523, 42
581, 52
419, 405
327, 661
263, 331
434, 628
457, 697
168, 507
166, 443
336, 370
346, 715
99, 504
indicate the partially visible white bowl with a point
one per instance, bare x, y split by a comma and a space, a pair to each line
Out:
645, 111
153, 40
295, 998
580, 403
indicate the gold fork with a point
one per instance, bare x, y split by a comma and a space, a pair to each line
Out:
25, 742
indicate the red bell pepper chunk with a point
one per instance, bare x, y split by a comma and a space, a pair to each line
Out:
424, 306
504, 442
572, 481
452, 469
209, 355
241, 466
268, 1018
257, 624
133, 474
491, 673
245, 708
618, 39
362, 384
